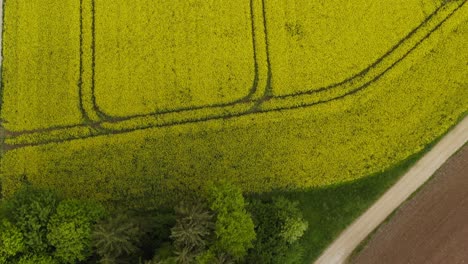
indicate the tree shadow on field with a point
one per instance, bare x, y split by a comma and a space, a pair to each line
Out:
329, 210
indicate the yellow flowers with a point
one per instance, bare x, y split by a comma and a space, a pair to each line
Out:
41, 65
335, 39
154, 58
174, 54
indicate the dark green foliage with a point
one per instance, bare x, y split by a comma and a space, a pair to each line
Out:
278, 224
117, 238
206, 257
234, 228
30, 209
11, 241
37, 259
221, 233
164, 254
69, 229
157, 260
193, 230
185, 255
157, 231
194, 225
295, 254
290, 216
35, 227
209, 257
268, 245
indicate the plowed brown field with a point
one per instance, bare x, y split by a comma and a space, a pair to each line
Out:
432, 227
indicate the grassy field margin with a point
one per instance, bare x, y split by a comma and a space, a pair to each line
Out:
383, 199
331, 209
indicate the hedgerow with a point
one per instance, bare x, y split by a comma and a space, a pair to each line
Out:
211, 228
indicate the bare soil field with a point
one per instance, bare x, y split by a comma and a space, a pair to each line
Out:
432, 227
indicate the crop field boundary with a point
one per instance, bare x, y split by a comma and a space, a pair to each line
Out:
97, 123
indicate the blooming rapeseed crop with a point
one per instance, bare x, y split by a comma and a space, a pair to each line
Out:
159, 108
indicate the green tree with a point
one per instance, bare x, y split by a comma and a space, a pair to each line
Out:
37, 259
157, 228
206, 257
279, 224
194, 225
70, 228
209, 257
30, 210
234, 227
164, 255
116, 238
185, 255
11, 241
293, 225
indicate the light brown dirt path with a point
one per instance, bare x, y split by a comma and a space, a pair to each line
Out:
350, 238
430, 228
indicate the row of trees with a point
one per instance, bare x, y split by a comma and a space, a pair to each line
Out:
36, 226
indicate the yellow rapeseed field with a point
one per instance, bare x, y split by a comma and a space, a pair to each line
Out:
336, 39
140, 103
175, 54
41, 65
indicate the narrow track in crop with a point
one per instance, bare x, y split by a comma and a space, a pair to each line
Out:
105, 117
366, 70
267, 103
248, 97
268, 93
287, 102
80, 81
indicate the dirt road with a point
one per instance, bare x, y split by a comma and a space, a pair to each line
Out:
430, 228
350, 238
